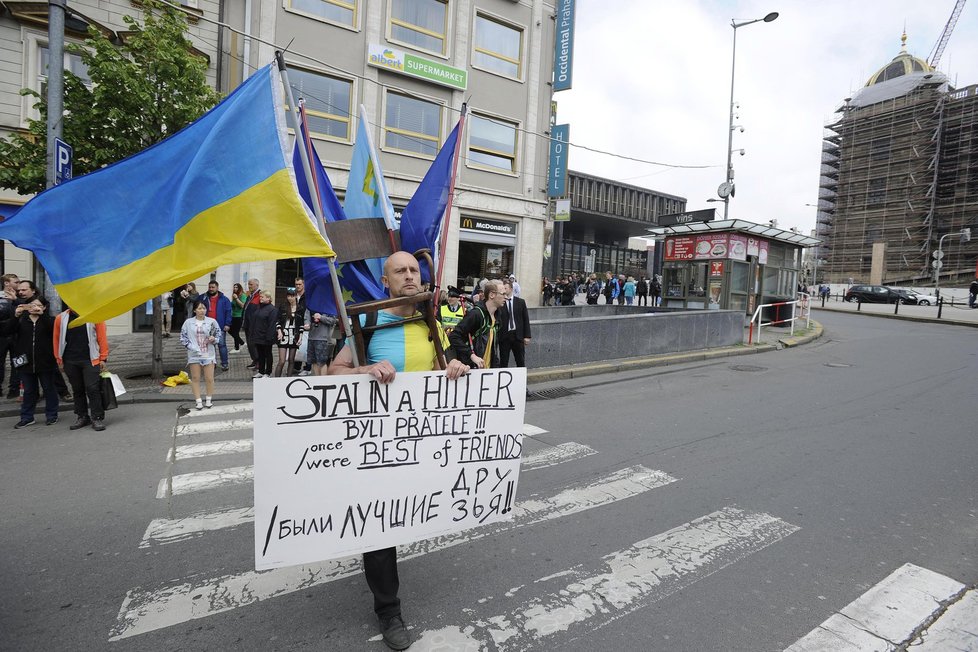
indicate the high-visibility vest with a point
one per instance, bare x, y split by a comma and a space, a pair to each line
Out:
450, 318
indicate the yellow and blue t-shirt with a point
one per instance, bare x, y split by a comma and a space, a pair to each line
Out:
407, 348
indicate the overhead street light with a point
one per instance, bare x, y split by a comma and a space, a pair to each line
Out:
726, 189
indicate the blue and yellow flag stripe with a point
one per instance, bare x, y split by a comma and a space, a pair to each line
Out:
220, 191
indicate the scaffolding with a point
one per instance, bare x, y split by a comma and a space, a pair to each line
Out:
900, 166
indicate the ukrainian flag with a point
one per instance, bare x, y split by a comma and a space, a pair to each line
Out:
220, 191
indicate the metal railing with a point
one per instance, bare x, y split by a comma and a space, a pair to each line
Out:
800, 308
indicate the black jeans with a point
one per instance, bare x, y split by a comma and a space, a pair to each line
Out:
31, 381
236, 332
264, 352
85, 379
380, 569
507, 344
5, 352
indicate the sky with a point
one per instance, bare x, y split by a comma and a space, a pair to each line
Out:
651, 80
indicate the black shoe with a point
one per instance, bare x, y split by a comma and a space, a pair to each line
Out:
80, 423
50, 422
98, 425
24, 423
395, 634
253, 365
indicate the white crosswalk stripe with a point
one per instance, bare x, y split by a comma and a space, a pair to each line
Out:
186, 483
886, 615
226, 447
205, 427
629, 579
217, 410
148, 610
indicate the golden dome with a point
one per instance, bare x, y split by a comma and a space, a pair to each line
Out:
902, 64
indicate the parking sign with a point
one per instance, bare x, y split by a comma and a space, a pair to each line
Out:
62, 161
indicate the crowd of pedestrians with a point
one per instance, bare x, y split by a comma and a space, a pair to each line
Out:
619, 289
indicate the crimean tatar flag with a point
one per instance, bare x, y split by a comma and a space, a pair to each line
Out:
220, 191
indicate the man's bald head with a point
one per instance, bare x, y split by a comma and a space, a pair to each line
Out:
402, 275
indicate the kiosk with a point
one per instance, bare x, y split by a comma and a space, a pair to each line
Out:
729, 265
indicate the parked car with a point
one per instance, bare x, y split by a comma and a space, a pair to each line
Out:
924, 299
879, 294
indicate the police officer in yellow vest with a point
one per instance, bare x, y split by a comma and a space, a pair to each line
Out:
452, 312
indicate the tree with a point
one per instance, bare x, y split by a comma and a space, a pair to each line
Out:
142, 90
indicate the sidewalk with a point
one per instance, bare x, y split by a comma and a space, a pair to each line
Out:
959, 315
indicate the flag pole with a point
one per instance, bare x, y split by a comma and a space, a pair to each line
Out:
317, 206
448, 207
379, 179
310, 151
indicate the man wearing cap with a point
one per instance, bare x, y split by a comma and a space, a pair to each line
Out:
516, 286
452, 312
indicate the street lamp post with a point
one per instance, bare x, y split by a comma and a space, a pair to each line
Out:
728, 186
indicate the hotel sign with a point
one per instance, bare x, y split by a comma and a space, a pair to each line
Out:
411, 65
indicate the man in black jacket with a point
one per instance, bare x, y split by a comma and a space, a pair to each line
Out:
474, 339
514, 328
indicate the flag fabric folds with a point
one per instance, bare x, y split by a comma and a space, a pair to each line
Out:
356, 281
220, 191
366, 191
422, 218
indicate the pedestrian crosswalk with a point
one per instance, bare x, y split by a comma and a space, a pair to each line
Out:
204, 468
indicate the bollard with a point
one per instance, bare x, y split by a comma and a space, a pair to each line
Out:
940, 306
896, 306
859, 304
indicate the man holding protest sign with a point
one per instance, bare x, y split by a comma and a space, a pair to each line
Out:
394, 349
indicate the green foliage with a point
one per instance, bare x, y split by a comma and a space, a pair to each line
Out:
147, 88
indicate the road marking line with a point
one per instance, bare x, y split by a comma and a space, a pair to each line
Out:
162, 531
555, 455
147, 610
186, 483
530, 430
231, 408
205, 427
883, 616
955, 630
170, 530
635, 577
212, 448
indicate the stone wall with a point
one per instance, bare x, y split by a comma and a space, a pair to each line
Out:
573, 334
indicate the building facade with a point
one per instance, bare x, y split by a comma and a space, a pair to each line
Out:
604, 215
900, 169
411, 64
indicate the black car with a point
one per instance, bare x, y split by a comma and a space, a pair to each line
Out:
879, 294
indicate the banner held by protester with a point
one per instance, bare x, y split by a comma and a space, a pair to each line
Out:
344, 464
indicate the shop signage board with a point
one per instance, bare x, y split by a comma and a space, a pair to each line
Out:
710, 246
488, 226
672, 219
563, 211
716, 268
681, 247
738, 247
344, 464
411, 65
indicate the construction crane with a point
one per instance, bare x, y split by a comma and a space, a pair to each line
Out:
935, 54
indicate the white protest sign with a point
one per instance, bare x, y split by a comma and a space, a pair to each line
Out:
344, 464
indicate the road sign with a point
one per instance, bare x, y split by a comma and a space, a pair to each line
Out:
62, 161
938, 254
937, 264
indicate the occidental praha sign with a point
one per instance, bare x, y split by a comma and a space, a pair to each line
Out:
412, 65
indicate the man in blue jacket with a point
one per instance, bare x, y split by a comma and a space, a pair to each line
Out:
219, 308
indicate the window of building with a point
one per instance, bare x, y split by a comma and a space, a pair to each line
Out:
420, 23
72, 63
877, 192
880, 149
343, 12
498, 47
493, 143
412, 125
328, 102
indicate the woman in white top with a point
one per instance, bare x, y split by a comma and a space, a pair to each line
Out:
199, 335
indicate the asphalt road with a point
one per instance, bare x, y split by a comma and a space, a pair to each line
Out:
729, 505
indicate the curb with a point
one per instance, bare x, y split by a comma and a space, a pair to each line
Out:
926, 320
542, 375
